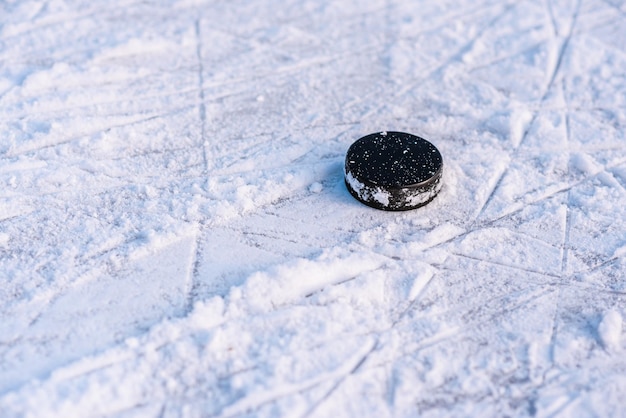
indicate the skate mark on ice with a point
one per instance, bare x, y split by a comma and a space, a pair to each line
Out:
562, 50
516, 147
201, 105
568, 199
35, 149
340, 381
192, 280
256, 400
550, 13
465, 330
617, 8
444, 63
509, 266
515, 208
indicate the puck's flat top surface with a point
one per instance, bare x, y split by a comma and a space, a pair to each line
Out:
393, 159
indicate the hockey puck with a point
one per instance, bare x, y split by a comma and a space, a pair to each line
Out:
393, 171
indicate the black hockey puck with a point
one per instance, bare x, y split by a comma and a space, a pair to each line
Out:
393, 171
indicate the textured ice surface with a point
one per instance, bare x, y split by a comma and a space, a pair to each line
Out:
176, 238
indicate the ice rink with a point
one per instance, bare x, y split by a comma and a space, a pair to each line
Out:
176, 238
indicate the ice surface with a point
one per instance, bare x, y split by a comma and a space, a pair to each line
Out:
176, 238
610, 330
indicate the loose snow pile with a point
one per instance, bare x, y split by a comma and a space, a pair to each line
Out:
176, 238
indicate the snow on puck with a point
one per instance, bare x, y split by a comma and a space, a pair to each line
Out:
393, 171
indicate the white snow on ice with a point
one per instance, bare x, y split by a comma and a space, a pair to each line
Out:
610, 329
176, 238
